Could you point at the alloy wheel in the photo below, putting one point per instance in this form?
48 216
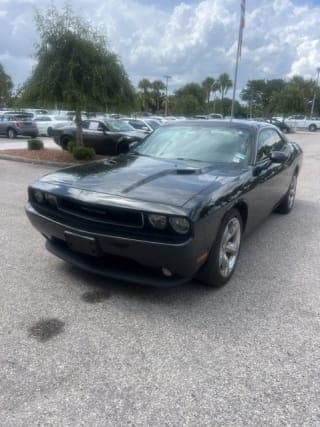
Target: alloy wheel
229 247
292 191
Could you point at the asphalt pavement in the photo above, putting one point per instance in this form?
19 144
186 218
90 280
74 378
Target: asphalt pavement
76 349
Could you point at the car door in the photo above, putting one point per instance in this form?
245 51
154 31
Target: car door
95 135
271 178
41 123
2 125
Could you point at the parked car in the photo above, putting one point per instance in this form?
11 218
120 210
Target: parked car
105 136
14 124
46 123
174 207
303 122
144 125
284 127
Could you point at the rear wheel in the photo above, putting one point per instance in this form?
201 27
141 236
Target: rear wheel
49 131
224 254
312 128
11 133
287 203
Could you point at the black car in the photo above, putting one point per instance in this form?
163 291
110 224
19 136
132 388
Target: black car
107 137
174 207
280 124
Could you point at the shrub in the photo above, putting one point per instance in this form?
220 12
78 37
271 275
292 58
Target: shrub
71 145
83 153
35 144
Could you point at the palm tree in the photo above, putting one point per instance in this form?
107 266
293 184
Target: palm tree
157 87
207 86
145 85
225 83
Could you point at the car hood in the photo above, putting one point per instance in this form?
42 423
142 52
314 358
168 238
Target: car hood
147 179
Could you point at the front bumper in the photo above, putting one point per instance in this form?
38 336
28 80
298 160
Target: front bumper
141 261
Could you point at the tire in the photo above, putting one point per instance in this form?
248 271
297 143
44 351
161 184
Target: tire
49 131
287 202
222 261
64 142
312 128
11 133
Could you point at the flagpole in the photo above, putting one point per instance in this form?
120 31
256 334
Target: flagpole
241 26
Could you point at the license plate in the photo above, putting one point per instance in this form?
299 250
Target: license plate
84 244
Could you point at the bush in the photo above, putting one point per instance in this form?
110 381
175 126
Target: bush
35 144
71 145
83 153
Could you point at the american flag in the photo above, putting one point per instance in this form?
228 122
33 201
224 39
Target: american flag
242 24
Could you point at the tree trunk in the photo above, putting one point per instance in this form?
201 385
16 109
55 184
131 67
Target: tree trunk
79 133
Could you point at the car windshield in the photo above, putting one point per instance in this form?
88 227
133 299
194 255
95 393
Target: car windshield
205 144
153 124
119 126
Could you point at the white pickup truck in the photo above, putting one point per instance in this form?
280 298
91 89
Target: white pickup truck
303 122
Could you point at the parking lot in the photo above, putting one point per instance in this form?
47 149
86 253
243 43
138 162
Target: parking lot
76 349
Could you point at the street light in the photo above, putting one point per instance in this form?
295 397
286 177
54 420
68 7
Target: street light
315 91
166 102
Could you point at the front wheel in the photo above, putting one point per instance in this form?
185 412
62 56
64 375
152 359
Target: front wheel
49 131
224 254
64 141
312 128
287 203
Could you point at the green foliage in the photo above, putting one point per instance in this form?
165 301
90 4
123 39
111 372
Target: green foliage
6 86
83 153
289 101
71 145
224 84
35 144
75 68
258 93
151 95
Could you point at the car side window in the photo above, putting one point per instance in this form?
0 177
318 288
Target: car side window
85 124
269 140
101 127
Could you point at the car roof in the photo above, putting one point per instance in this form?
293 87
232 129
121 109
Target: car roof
235 123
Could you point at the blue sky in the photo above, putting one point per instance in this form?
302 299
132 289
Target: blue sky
188 40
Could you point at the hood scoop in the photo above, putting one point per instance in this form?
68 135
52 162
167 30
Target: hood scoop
187 171
146 180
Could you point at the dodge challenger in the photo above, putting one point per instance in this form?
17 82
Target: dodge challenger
173 207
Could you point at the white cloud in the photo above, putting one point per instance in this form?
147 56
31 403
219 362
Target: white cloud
189 41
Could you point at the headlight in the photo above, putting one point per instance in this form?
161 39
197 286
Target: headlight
38 195
158 221
179 224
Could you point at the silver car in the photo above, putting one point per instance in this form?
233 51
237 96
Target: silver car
14 124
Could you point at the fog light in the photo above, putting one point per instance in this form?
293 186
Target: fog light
52 200
158 221
166 272
38 196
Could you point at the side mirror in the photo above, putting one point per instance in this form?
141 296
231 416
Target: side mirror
278 157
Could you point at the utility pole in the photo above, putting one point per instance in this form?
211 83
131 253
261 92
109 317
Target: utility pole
315 91
166 101
240 37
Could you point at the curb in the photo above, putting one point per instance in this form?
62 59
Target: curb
33 161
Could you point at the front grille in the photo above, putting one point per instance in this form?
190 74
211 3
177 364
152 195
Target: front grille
107 220
101 214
